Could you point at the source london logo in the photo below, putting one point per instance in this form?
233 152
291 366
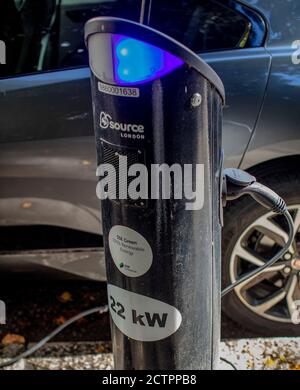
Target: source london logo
2 53
127 130
105 118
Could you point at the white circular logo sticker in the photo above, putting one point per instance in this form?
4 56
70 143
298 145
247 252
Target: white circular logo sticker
130 251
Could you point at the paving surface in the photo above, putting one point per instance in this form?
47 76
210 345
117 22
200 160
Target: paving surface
262 354
245 354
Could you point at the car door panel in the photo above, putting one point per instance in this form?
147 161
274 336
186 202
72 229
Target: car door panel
45 106
245 75
47 152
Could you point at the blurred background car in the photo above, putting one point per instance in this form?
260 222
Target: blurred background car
49 214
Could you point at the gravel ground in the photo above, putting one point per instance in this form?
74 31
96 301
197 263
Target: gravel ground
262 354
245 354
68 356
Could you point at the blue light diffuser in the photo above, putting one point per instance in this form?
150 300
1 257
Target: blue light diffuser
138 62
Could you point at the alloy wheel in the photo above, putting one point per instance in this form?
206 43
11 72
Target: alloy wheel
274 294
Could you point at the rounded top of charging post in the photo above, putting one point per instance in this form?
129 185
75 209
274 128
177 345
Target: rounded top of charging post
110 25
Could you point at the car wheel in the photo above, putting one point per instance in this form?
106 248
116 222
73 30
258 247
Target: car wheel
268 304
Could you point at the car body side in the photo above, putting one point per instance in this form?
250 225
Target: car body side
276 134
47 152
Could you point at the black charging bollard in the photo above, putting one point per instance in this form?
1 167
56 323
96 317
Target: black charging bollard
158 112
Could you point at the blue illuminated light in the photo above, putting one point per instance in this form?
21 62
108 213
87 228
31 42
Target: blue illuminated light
138 62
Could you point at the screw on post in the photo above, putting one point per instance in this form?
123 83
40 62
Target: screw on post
196 100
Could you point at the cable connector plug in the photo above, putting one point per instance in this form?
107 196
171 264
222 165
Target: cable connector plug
237 183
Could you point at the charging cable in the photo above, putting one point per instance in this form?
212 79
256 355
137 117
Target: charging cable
237 183
40 344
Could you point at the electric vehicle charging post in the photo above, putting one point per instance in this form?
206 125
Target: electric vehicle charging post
157 118
158 109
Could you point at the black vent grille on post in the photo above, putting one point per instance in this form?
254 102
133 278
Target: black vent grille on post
111 155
